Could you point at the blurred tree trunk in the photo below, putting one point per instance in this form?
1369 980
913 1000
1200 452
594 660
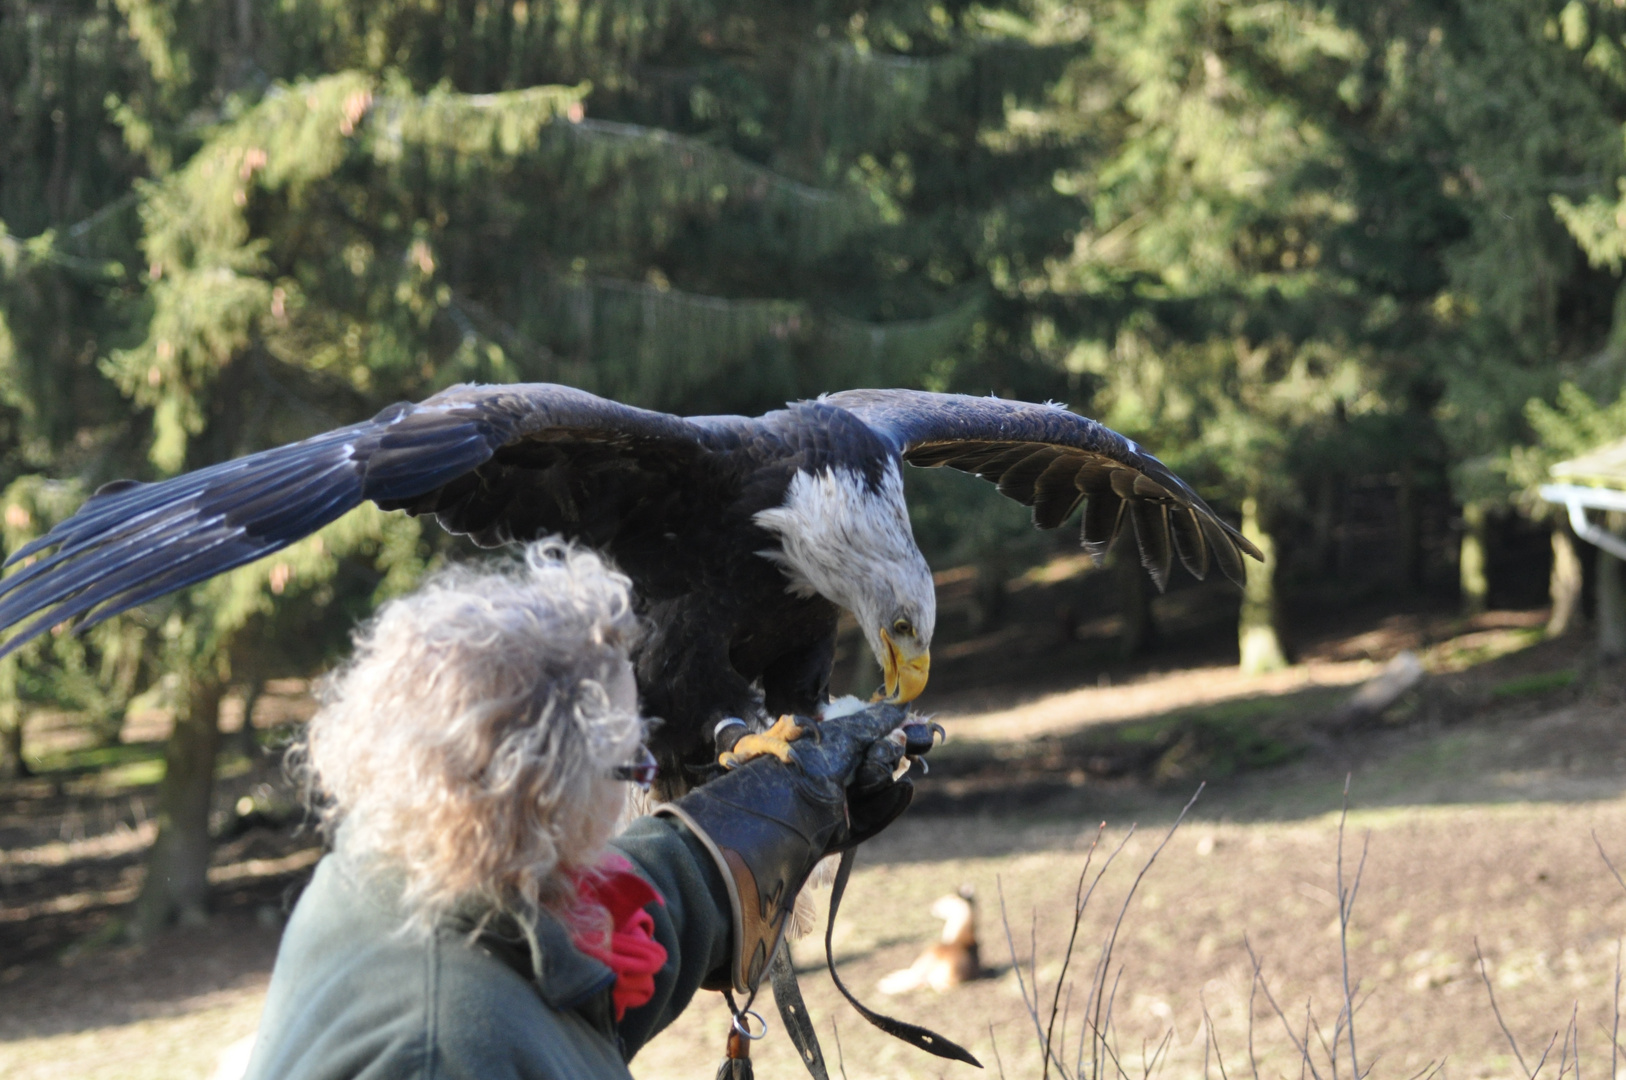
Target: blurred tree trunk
245 742
1134 604
1257 637
12 719
1471 561
1611 597
1564 585
1324 554
177 884
107 725
1411 529
12 762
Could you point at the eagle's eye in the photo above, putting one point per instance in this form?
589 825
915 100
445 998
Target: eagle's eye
903 628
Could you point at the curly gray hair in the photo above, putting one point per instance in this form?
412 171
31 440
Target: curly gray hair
470 740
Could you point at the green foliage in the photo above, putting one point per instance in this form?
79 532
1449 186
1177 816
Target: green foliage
1341 242
1225 332
1572 425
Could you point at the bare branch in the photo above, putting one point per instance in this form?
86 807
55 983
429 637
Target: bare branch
1564 1055
841 1059
1081 900
1605 856
1511 1041
1574 1039
1066 1010
1105 1032
1016 966
1304 1061
1098 977
1208 1039
1252 990
1213 1039
1304 1051
1614 1033
1147 1069
1427 1071
1544 1053
1331 1050
1106 1048
1346 907
1112 939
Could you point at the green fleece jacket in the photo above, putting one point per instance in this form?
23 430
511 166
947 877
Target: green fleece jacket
353 996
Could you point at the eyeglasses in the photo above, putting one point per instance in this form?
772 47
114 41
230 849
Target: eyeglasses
641 772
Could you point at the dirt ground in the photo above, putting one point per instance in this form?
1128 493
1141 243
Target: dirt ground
1477 799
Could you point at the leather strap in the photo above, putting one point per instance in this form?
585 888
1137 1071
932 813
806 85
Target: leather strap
793 1011
913 1034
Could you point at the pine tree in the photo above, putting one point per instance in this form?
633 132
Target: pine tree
1209 314
1336 243
67 248
1516 103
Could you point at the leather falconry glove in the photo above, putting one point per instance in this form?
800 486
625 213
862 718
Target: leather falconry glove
767 824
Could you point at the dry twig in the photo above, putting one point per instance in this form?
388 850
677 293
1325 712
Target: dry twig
1098 1005
1298 1044
1212 1040
1484 974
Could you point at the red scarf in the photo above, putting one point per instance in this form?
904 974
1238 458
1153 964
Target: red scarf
631 950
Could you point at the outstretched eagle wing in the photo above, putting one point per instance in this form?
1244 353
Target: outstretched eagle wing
463 455
1050 459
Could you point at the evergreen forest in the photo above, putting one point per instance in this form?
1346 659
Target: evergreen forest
1354 269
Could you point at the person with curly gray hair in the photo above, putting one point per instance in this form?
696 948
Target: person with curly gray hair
474 916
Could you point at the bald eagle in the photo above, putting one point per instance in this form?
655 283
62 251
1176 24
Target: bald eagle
744 537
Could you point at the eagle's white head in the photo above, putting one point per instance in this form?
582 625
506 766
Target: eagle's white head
851 543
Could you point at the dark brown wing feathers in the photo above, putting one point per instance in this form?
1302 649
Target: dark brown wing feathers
1050 459
133 542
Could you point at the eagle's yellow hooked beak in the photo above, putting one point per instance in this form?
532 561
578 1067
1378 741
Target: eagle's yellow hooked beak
905 675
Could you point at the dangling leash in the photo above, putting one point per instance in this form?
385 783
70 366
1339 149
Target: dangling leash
787 994
919 1037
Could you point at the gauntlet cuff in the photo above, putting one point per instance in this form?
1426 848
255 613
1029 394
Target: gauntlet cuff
765 835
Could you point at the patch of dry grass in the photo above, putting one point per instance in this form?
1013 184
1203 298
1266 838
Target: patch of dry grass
181 1046
1524 879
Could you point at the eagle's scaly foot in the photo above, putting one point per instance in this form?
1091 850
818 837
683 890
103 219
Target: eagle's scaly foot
775 741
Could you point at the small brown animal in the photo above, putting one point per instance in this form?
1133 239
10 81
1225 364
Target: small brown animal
953 959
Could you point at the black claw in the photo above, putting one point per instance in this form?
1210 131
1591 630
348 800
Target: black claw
918 739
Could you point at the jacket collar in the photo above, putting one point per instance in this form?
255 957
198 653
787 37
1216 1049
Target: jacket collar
541 950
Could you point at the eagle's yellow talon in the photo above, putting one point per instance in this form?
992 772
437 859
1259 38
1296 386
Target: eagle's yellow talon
774 742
